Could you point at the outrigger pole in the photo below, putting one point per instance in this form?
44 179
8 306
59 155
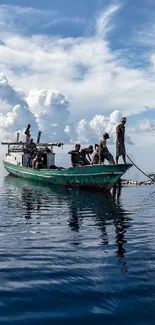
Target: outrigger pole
43 144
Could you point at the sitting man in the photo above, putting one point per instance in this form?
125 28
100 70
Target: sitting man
76 156
104 152
95 155
85 153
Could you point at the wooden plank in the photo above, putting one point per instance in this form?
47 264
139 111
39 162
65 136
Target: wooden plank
44 144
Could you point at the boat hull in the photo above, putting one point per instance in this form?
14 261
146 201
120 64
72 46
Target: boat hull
96 176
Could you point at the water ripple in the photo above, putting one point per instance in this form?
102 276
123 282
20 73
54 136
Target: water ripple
70 255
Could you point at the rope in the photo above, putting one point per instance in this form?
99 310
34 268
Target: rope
153 180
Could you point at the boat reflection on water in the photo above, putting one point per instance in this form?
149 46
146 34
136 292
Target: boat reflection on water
81 205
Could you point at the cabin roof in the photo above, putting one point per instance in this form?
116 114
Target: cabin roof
42 144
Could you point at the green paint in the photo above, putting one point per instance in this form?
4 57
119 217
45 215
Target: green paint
97 176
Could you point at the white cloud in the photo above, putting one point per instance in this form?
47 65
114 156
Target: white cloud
83 131
48 111
102 24
67 129
51 109
9 94
91 79
95 78
145 126
92 130
19 114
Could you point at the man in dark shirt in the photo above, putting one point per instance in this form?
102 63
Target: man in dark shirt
120 140
75 156
85 153
31 147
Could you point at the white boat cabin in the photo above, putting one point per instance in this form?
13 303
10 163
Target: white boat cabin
19 154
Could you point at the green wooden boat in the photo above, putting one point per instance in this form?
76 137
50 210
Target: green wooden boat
92 176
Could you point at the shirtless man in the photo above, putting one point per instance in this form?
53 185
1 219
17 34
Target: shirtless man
104 152
85 155
95 155
27 133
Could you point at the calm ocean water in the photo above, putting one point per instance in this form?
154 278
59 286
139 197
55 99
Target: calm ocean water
72 256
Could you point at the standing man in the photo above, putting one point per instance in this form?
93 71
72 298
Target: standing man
27 133
31 146
104 152
120 140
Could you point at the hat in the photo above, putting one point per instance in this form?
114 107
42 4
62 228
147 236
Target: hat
106 135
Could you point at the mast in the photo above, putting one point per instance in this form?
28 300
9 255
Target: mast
38 138
18 137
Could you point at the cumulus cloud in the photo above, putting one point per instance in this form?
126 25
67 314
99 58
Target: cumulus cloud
51 109
92 130
145 126
19 114
67 129
45 110
48 111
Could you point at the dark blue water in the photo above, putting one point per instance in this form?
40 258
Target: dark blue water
72 256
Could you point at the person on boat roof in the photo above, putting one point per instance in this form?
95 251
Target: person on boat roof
104 152
120 140
95 155
31 146
27 133
76 156
85 153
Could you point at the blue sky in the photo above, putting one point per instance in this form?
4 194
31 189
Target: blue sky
98 55
132 15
